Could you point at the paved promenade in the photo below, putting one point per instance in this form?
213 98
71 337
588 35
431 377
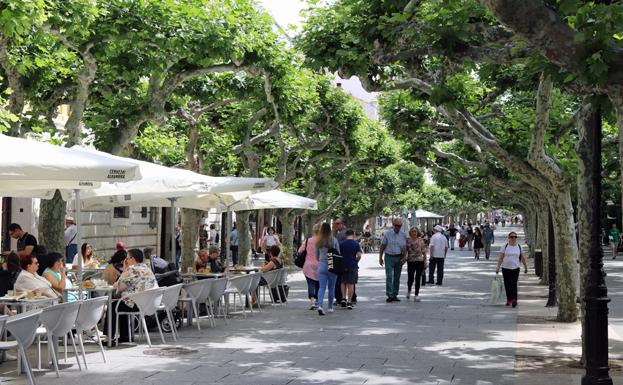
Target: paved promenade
453 336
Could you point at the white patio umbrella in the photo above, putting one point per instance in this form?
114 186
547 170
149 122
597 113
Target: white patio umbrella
162 186
36 169
274 199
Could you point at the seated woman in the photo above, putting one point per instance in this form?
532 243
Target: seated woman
274 263
87 257
136 277
29 280
55 273
10 272
115 267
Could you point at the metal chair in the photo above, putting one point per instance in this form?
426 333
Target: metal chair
90 313
147 303
170 298
283 278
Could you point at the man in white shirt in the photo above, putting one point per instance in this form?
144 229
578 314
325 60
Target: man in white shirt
71 245
438 251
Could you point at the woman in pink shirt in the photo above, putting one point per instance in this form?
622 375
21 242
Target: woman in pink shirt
310 268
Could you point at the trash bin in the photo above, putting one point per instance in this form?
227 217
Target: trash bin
538 262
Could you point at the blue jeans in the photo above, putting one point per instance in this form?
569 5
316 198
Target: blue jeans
234 254
393 268
326 277
312 288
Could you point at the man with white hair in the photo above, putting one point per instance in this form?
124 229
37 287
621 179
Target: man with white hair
394 246
438 251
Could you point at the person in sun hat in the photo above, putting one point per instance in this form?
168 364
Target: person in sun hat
438 250
71 241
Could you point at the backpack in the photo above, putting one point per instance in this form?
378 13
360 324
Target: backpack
520 250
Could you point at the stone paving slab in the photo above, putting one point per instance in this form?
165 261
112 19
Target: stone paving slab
452 337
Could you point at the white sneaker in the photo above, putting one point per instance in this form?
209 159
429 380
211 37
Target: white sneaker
417 298
330 310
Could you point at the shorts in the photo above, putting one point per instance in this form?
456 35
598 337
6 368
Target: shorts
351 276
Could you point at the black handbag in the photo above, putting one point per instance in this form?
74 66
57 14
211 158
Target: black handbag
335 262
299 261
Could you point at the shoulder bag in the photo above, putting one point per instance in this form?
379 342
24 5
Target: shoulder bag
299 261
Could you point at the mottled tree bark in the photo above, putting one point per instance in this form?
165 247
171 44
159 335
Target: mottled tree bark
244 238
190 222
51 223
287 223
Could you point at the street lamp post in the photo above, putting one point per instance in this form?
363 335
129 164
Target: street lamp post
596 295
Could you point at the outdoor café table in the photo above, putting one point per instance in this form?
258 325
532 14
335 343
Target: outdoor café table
108 290
246 269
22 305
194 276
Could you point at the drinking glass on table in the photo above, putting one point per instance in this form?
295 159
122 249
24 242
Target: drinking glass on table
189 270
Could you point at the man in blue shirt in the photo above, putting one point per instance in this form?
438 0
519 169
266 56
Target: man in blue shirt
351 254
233 245
394 246
488 238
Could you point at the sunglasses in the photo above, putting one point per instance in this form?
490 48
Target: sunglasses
512 236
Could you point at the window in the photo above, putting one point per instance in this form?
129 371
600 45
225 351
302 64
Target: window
143 212
121 212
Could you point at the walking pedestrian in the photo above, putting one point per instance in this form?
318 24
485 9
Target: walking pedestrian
326 279
509 260
615 235
488 238
394 248
310 267
477 242
438 251
469 236
351 254
416 258
452 235
339 232
233 245
462 237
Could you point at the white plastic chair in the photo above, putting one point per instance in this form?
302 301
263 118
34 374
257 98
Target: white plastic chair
196 292
255 283
7 345
90 313
147 303
217 290
283 278
59 320
170 298
239 286
23 327
272 279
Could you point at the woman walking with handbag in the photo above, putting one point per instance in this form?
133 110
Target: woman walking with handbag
324 243
416 259
510 258
310 267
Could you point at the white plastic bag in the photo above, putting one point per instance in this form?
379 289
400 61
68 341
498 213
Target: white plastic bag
496 290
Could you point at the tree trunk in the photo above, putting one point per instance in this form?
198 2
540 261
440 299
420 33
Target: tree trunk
584 182
287 223
51 223
190 220
542 241
567 254
244 239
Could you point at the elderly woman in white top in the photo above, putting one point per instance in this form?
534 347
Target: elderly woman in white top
510 258
29 280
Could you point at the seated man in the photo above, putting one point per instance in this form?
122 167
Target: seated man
136 277
202 261
29 280
216 266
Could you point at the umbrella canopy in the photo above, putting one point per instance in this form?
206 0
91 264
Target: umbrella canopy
37 167
159 184
422 214
273 199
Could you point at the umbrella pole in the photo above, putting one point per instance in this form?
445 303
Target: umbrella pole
78 240
173 255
